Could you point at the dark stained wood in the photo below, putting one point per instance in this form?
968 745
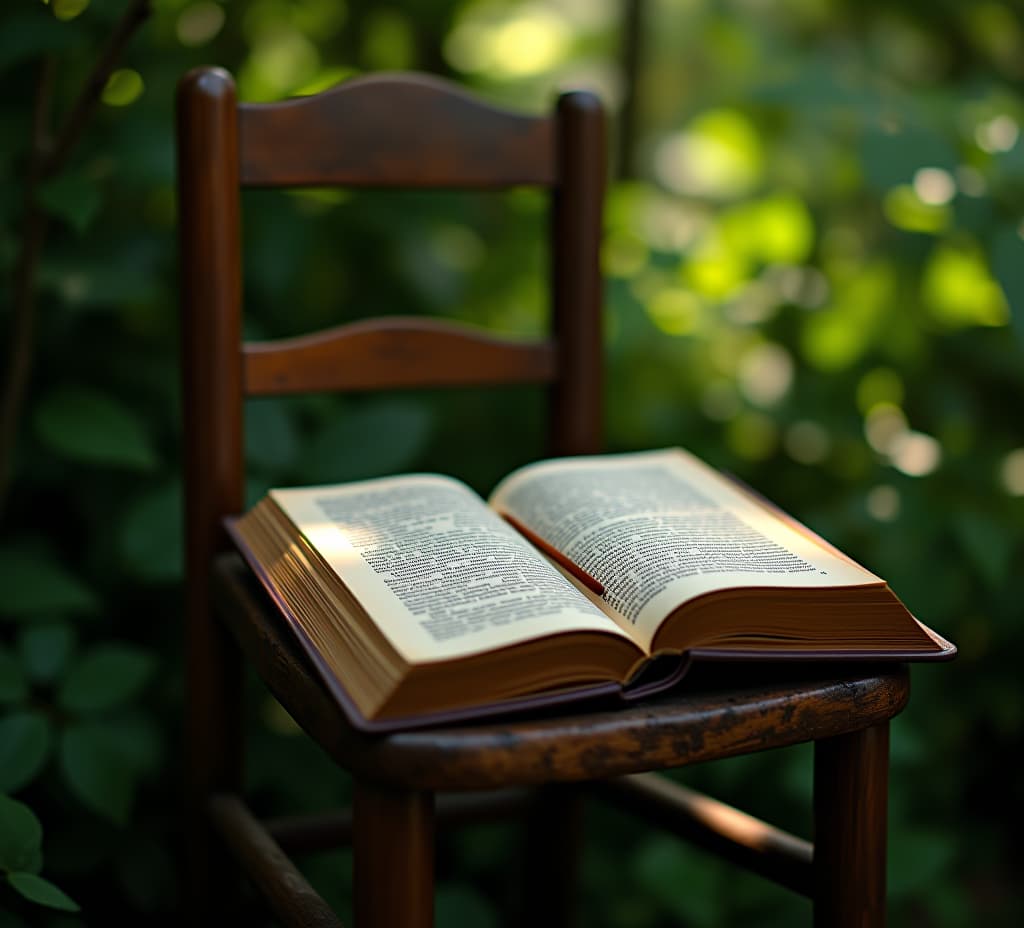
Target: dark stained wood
303 834
393 130
394 352
393 854
554 838
272 873
212 388
714 826
732 717
851 775
413 131
575 424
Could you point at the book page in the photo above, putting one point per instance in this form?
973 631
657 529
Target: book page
439 572
659 528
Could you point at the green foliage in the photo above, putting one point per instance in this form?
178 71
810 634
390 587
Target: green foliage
105 677
86 426
39 890
815 280
21 838
34 584
24 747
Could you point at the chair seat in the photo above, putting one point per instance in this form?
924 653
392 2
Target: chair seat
719 710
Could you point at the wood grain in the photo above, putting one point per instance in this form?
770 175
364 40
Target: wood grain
851 776
272 873
576 421
392 130
210 255
394 352
721 716
393 856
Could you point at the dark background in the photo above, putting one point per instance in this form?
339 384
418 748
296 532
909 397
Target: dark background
815 279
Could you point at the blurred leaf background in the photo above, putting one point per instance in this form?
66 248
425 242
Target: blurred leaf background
815 280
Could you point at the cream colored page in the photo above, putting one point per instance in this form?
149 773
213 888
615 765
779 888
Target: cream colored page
659 528
441 574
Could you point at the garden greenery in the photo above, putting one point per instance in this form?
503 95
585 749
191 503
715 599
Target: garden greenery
815 274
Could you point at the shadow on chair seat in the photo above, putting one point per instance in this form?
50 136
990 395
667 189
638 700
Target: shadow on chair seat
718 711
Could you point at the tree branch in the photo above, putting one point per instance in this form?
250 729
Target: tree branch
44 162
630 50
81 111
19 349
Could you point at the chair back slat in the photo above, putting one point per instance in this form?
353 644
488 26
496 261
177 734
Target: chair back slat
393 131
394 352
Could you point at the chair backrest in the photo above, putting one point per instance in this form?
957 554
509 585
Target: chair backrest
392 130
383 131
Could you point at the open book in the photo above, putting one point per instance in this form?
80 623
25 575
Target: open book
417 601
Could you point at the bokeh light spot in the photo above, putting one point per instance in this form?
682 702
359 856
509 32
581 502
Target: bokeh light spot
199 23
934 186
1012 472
765 374
124 87
807 442
915 454
719 156
883 503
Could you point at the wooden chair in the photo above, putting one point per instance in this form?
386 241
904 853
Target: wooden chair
415 131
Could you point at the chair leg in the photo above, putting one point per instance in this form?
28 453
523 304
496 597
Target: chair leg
393 857
850 818
213 735
554 829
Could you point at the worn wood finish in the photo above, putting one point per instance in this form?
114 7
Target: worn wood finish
575 424
727 711
393 131
272 873
212 389
394 352
303 834
393 854
714 826
851 774
421 132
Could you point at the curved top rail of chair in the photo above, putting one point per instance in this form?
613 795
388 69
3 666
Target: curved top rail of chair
469 144
392 352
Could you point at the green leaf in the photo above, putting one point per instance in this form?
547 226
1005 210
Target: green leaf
45 649
13 685
97 771
271 440
36 889
24 747
73 198
149 538
105 677
380 437
34 582
21 836
85 425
